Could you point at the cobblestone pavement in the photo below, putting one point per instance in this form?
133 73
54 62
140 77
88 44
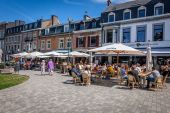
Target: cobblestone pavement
52 94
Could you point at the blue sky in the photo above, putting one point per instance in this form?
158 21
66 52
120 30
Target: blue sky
31 10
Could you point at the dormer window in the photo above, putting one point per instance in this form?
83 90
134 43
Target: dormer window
127 14
159 9
94 24
81 25
141 11
111 17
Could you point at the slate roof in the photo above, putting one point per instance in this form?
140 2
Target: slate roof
127 5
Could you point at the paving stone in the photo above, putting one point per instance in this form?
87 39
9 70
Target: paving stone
56 94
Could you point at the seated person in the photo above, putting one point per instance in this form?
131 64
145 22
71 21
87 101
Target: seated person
76 70
153 76
96 68
135 73
110 69
123 72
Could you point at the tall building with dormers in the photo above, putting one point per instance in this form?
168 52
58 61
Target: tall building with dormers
138 23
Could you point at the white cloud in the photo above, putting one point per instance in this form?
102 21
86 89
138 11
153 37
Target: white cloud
113 1
72 2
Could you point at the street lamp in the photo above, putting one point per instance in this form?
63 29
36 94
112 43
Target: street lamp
69 44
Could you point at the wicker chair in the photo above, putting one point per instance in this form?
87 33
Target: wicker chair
76 79
158 83
86 79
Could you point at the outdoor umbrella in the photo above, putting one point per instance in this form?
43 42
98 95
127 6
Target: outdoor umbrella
149 59
76 54
20 54
52 53
117 49
33 54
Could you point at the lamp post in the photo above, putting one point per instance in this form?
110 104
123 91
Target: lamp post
69 44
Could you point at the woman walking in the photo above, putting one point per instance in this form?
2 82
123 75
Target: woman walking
50 67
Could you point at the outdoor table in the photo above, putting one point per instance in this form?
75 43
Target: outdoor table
143 78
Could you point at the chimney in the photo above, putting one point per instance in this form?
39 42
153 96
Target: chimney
109 2
54 20
17 22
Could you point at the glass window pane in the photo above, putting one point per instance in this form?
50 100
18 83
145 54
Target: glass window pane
93 41
126 35
142 13
126 15
159 10
111 18
158 32
141 34
109 38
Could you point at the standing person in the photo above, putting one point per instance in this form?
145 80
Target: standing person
17 67
43 67
50 67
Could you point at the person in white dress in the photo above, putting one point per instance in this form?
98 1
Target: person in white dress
43 67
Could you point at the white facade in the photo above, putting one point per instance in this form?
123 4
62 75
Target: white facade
149 23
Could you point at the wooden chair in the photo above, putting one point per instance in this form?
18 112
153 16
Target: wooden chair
158 83
86 79
132 81
76 79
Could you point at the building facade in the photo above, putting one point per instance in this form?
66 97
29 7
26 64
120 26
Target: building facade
137 24
24 37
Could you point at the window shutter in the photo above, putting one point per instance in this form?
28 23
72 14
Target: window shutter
97 41
76 42
88 41
84 44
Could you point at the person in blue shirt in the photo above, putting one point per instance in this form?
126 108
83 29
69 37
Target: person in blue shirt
151 78
76 70
123 72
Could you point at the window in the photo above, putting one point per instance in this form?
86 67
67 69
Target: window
92 41
26 27
93 24
68 42
46 31
141 11
34 45
126 35
48 44
61 44
127 14
109 38
141 33
82 26
111 17
158 32
66 28
53 30
159 9
42 44
35 25
80 42
43 32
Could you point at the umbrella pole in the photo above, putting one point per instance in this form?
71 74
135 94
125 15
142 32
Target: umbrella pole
117 58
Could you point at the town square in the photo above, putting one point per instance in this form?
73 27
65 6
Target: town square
93 56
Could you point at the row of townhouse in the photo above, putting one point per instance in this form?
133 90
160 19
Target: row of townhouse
24 37
135 23
79 35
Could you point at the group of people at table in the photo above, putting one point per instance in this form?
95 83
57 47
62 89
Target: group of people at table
121 70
